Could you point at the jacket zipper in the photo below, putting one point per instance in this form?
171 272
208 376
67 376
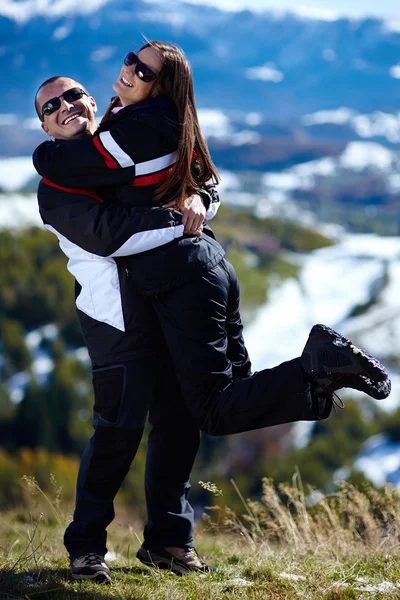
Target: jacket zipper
123 263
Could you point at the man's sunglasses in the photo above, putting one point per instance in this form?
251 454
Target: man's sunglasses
54 104
142 71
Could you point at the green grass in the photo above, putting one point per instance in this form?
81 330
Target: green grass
244 572
344 547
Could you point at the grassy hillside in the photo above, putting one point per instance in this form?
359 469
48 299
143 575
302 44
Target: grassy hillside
338 547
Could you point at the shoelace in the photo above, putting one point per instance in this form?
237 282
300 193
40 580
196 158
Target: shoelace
337 402
92 559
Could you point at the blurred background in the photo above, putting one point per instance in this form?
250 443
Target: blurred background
301 109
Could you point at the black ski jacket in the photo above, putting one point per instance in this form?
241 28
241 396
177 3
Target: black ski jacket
130 153
94 231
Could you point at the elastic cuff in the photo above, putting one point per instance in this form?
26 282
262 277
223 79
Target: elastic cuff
206 198
212 211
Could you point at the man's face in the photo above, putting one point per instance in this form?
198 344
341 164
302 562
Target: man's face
73 119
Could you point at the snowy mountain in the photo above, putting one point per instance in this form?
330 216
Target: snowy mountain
357 157
353 287
276 63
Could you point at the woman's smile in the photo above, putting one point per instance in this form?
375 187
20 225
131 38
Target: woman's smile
126 82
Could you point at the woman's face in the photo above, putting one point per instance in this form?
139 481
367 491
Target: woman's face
129 87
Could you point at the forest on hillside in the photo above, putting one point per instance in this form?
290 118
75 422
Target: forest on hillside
46 394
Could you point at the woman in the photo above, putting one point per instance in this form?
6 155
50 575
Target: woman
153 127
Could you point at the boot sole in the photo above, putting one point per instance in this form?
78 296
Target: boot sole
99 576
372 376
160 562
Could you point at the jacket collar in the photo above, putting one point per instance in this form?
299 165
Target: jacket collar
157 102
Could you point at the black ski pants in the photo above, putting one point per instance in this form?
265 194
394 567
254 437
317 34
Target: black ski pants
203 330
124 394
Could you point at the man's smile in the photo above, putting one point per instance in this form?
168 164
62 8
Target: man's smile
70 118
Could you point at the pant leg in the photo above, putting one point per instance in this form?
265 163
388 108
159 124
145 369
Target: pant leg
172 446
236 350
122 397
193 319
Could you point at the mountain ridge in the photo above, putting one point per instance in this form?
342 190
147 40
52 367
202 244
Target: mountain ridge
286 65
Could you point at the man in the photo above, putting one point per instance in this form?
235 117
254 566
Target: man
132 373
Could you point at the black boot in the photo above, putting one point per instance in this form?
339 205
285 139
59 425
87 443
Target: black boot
332 362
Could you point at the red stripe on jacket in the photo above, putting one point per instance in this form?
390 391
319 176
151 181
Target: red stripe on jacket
151 179
109 160
142 180
73 190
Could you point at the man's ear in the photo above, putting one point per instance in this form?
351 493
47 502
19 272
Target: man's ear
45 129
93 103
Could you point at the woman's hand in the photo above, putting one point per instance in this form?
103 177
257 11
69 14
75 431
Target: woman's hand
194 213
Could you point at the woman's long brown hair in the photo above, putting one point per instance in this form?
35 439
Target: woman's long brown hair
176 81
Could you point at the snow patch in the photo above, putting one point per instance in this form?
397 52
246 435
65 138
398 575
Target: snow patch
15 172
377 124
392 25
21 12
292 576
267 72
229 181
238 582
395 71
32 123
361 155
8 119
103 53
42 366
19 212
81 355
245 137
318 14
300 177
360 64
173 18
340 116
253 119
379 459
17 385
214 123
329 54
62 32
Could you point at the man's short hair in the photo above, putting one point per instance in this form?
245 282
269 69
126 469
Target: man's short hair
52 80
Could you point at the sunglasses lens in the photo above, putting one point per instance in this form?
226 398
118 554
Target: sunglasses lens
51 106
131 59
73 94
144 73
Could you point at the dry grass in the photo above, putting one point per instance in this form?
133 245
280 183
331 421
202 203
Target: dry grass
291 544
345 522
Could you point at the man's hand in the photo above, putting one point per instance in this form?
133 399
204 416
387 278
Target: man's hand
194 213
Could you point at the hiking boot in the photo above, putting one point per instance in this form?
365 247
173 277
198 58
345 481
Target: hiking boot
90 566
333 362
178 560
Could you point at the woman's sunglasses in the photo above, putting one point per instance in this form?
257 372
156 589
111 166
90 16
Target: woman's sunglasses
142 71
54 104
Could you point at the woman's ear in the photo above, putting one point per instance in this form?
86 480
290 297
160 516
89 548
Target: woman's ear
157 90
